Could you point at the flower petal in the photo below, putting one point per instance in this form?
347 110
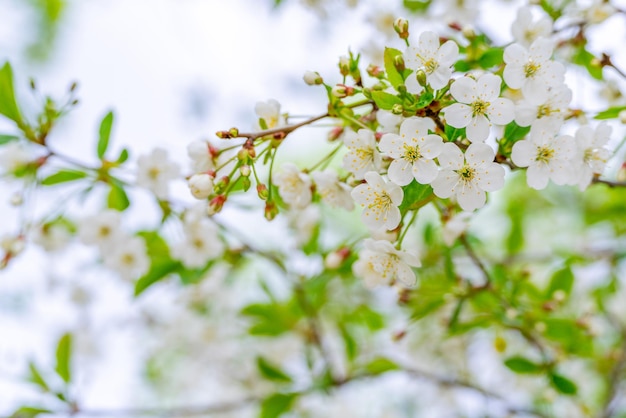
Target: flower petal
425 171
470 197
491 177
464 90
400 172
537 176
432 146
523 153
451 157
458 115
478 154
488 86
478 129
501 111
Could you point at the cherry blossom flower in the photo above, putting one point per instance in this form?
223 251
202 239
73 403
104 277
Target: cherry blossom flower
362 155
531 70
128 258
525 30
201 243
270 112
380 201
201 157
592 152
102 229
294 186
435 60
552 108
478 106
548 157
380 263
388 122
52 236
155 170
201 185
331 190
469 176
413 151
455 227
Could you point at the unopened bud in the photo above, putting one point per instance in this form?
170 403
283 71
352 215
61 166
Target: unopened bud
262 191
622 116
341 90
540 327
244 170
335 133
595 62
246 183
468 32
344 65
398 62
375 71
73 86
401 26
312 78
270 210
221 185
201 185
335 259
499 344
401 89
559 295
216 204
420 75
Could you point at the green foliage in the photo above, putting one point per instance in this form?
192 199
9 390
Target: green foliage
271 371
104 134
381 365
586 59
512 133
277 404
63 176
563 384
36 377
395 77
562 280
417 6
64 357
384 100
8 104
5 139
416 195
272 319
30 412
117 198
520 364
610 113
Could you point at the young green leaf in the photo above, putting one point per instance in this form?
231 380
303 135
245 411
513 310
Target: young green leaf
381 365
117 199
271 371
4 139
8 104
159 270
563 384
520 364
562 280
64 357
29 412
610 113
393 75
384 100
277 404
105 134
36 377
63 176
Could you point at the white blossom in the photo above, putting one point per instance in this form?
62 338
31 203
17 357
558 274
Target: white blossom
548 157
380 263
201 243
478 106
526 30
200 155
331 190
128 258
468 176
592 152
436 61
294 186
380 201
102 229
599 11
552 108
201 185
362 155
155 171
413 151
270 112
455 227
388 122
52 236
14 156
531 70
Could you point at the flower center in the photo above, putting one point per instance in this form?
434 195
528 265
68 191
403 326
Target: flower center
545 110
544 154
430 66
467 173
104 231
531 68
411 154
382 202
128 259
154 173
479 107
365 155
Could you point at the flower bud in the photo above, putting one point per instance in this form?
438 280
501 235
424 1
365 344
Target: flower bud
375 71
401 26
335 259
270 210
221 185
262 191
341 90
468 32
246 183
344 65
201 185
312 78
420 75
398 62
244 170
216 204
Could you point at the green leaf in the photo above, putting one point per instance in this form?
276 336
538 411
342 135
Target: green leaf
415 196
453 133
561 280
563 384
277 404
610 113
491 58
393 75
123 156
424 100
36 377
4 139
418 6
105 134
64 357
63 176
29 412
381 365
520 364
8 104
271 371
117 199
586 59
384 100
158 271
350 344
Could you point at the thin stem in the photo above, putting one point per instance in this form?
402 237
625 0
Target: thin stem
326 158
406 229
472 255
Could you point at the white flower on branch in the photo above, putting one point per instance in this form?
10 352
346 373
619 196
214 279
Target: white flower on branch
362 155
478 106
201 185
413 152
380 263
201 244
526 30
331 190
269 112
553 108
468 176
155 171
592 152
200 155
294 186
102 229
548 157
436 61
380 201
128 258
14 156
